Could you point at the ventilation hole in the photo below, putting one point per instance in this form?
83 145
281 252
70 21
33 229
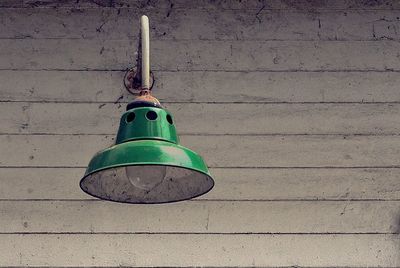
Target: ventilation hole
151 115
169 119
130 117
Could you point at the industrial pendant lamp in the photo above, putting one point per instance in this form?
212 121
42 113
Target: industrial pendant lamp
146 164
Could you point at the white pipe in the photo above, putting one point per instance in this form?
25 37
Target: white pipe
145 43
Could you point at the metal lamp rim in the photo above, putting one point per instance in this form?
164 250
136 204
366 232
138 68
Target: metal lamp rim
149 164
144 164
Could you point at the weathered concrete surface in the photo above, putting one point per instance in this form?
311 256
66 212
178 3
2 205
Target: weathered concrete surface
294 105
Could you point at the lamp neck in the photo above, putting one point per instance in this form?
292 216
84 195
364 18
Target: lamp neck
145 99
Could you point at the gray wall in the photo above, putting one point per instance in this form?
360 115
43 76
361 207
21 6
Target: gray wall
294 104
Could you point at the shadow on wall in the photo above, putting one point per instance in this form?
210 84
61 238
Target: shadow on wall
396 232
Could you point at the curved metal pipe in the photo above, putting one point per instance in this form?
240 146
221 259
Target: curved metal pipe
145 43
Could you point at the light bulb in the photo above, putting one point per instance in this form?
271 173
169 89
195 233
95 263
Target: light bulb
145 177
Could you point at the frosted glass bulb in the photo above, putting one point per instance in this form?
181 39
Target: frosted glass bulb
146 177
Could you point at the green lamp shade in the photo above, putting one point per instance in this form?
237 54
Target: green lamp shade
147 164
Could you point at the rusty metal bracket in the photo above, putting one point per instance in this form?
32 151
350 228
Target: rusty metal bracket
133 81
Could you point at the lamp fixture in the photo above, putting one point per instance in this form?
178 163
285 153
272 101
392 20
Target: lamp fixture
146 164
